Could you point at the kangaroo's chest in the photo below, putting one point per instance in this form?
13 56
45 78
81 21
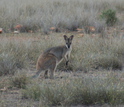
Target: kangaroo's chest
68 52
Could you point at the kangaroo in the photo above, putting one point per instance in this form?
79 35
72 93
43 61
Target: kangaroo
49 60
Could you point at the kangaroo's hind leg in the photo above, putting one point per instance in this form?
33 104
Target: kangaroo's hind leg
52 67
52 71
46 74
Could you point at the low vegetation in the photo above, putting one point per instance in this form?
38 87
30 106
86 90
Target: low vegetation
88 53
98 53
19 80
77 91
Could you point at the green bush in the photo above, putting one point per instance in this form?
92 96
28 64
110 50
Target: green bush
110 17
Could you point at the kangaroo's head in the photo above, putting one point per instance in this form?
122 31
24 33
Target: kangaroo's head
68 41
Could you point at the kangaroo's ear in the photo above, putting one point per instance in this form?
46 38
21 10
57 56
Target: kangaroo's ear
65 37
71 37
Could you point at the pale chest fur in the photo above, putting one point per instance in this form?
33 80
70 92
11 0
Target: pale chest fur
66 55
68 52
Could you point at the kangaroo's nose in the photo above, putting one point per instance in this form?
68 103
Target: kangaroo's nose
68 46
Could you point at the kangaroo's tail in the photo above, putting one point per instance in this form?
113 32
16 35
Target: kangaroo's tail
36 75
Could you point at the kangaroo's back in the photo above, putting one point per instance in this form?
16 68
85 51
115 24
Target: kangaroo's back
58 51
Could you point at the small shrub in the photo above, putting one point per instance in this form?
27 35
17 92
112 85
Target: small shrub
7 64
102 61
109 62
32 91
110 17
19 81
11 61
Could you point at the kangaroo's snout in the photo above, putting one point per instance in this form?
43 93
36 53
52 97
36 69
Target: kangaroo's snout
68 45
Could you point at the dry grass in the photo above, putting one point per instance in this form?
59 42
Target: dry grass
67 89
72 90
88 53
65 14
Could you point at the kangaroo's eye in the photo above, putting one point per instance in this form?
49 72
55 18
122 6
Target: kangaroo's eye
68 43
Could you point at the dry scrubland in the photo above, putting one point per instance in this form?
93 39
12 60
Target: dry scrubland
40 15
95 75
